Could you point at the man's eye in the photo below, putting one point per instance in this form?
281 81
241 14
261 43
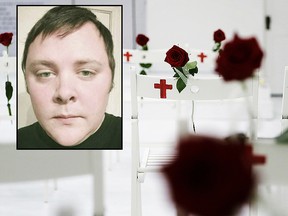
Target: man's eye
44 74
87 73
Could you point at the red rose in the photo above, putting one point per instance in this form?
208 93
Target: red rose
6 38
210 176
176 57
142 39
239 59
219 36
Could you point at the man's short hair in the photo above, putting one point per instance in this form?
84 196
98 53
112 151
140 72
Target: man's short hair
67 19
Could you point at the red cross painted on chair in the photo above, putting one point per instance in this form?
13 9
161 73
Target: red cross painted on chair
256 159
202 56
163 87
127 55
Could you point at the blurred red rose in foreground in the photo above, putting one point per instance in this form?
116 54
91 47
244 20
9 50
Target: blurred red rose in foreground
6 38
239 59
210 176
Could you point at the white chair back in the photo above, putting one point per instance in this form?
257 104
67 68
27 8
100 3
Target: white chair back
208 88
134 56
205 58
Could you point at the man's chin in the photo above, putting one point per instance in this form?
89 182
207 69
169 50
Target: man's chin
68 140
69 135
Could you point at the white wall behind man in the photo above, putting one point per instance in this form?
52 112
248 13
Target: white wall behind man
127 16
8 16
193 22
276 44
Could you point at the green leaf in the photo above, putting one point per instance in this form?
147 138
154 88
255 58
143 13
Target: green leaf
176 75
217 46
180 85
145 65
145 47
143 72
9 90
193 71
179 69
283 138
191 65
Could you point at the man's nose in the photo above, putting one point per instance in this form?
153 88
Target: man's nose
65 90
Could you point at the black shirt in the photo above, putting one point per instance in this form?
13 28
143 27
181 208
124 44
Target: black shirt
108 136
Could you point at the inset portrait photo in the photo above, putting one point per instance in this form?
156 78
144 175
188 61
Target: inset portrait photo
69 77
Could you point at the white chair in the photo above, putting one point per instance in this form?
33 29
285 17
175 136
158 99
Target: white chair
285 100
273 174
30 165
133 57
163 88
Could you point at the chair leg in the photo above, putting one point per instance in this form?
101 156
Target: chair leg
110 160
113 155
139 200
55 184
46 191
136 207
98 183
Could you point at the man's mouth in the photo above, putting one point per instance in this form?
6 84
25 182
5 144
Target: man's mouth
66 119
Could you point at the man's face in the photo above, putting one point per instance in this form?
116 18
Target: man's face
69 79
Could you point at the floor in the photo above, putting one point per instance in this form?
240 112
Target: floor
73 196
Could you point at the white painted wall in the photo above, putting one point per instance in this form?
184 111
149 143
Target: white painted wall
193 22
277 44
8 17
170 22
8 11
128 34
